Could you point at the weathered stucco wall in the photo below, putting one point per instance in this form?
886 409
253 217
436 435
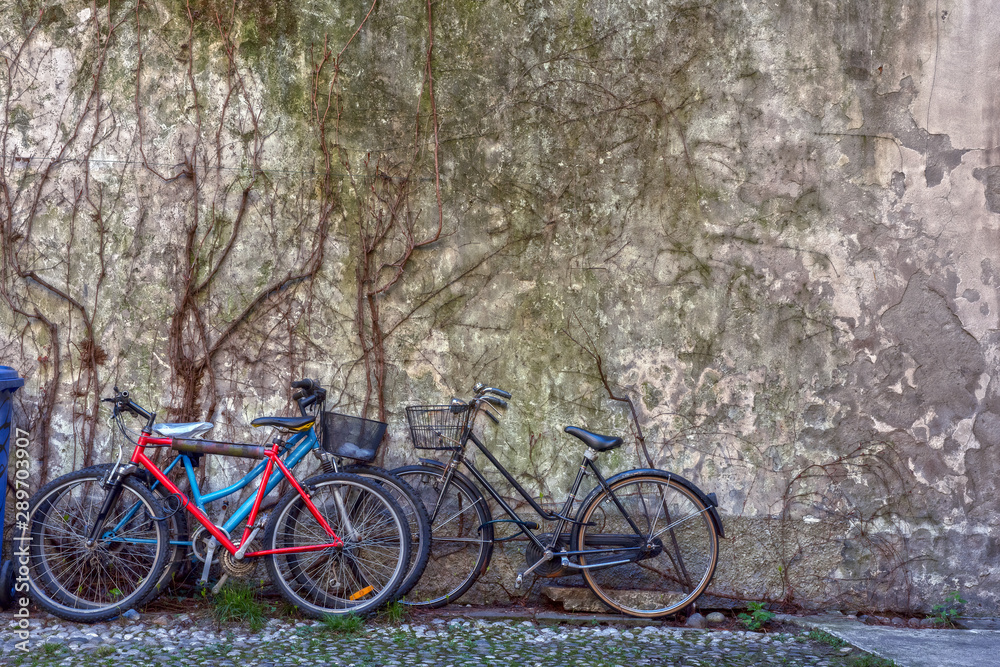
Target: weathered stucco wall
776 225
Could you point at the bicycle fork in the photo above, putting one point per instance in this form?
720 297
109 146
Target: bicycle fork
114 483
330 465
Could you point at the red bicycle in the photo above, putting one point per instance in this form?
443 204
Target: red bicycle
336 543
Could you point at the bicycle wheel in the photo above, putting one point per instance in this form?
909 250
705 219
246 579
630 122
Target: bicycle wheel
356 578
178 559
668 566
461 536
416 518
119 572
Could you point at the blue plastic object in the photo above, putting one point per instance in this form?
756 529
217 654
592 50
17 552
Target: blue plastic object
9 383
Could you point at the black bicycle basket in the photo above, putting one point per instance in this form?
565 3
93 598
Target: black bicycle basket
436 426
351 437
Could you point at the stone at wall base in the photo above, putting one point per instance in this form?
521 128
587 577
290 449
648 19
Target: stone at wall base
574 599
696 620
583 599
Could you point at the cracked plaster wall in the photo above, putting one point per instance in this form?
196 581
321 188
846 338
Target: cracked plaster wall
777 224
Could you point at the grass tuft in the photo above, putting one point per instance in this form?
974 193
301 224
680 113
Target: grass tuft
757 617
238 602
346 624
394 612
869 660
824 637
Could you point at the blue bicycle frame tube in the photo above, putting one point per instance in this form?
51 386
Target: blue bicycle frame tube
303 443
131 515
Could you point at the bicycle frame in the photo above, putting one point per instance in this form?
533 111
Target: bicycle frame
296 449
562 517
272 456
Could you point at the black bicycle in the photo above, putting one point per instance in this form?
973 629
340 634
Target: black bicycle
646 541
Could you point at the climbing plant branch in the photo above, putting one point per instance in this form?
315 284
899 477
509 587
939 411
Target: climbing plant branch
590 349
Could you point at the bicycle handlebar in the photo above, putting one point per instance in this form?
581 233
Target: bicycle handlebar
123 403
483 396
309 393
498 402
481 389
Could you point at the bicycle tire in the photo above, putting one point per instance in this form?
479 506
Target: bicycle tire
461 536
177 553
416 517
121 570
356 578
670 567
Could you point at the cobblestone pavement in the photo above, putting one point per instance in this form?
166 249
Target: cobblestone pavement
185 640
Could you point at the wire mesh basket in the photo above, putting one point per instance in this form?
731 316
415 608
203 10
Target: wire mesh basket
351 437
436 426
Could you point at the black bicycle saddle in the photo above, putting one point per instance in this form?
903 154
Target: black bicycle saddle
602 443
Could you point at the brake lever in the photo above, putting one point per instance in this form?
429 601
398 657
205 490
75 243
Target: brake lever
481 389
495 401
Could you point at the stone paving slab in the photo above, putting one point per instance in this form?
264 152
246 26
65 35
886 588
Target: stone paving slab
914 648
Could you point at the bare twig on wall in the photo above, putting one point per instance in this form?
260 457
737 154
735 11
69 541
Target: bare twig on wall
388 227
590 348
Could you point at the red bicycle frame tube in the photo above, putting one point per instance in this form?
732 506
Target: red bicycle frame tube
139 458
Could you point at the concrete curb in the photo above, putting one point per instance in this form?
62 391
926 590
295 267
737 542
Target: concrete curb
909 647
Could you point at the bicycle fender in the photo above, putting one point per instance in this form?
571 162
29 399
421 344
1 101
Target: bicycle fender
434 463
708 500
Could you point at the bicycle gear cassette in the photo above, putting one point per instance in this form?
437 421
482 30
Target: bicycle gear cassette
240 569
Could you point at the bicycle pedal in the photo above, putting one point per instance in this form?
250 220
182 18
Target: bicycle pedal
517 582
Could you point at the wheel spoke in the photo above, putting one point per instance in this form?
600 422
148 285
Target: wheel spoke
356 577
80 582
461 540
678 558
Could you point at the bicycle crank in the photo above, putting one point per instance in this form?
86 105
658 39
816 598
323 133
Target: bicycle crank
548 567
